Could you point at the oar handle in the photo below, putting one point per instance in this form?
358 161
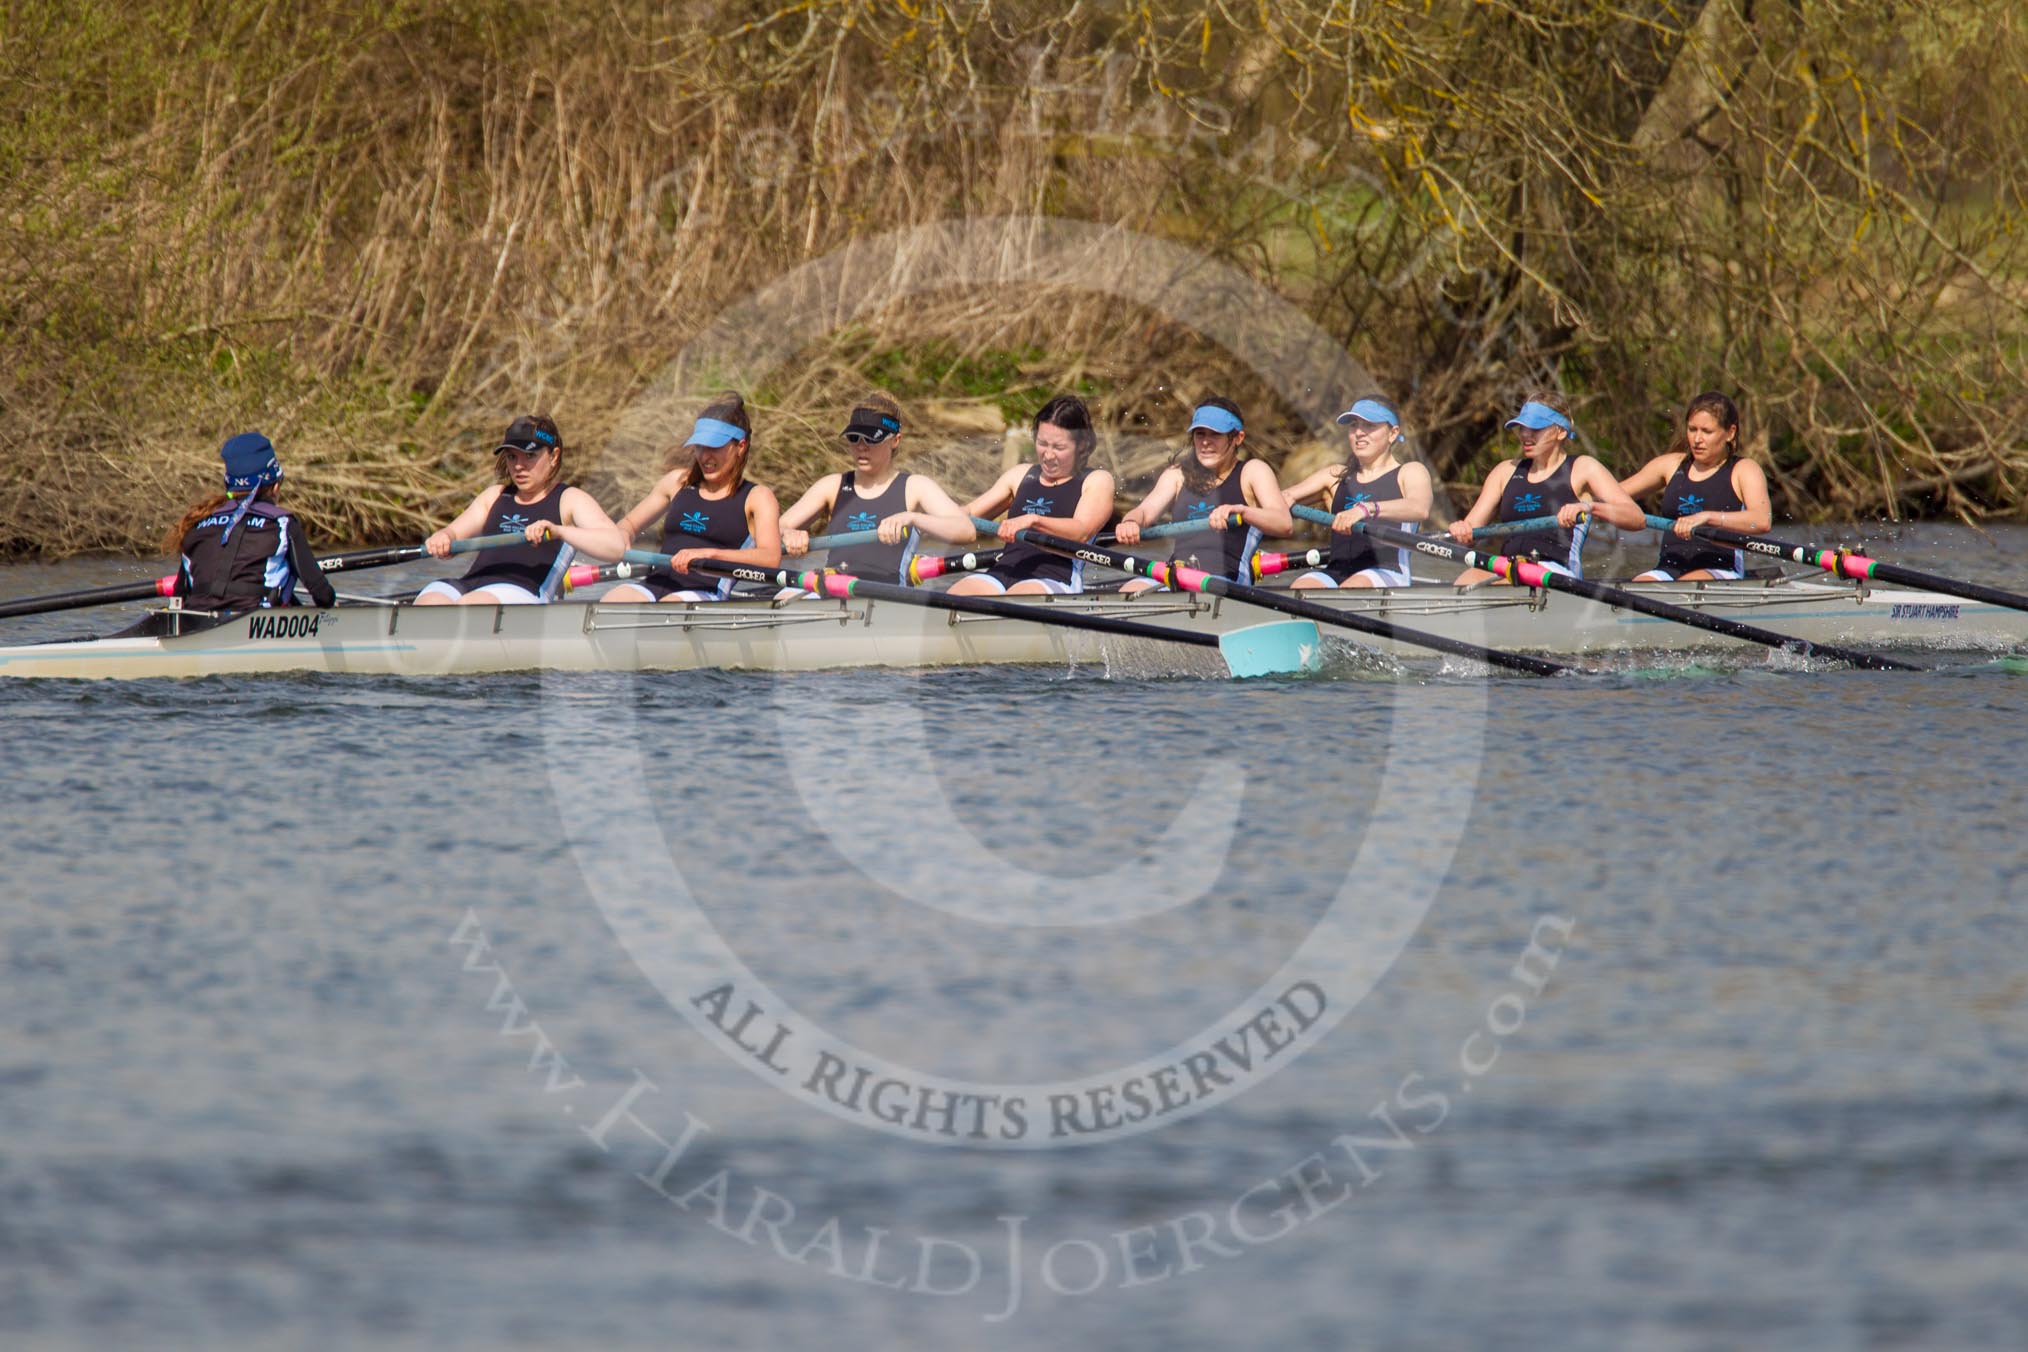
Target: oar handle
923 567
1267 562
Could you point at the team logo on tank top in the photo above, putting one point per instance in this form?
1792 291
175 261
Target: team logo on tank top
1198 510
1690 502
861 521
693 523
513 521
1037 506
1528 502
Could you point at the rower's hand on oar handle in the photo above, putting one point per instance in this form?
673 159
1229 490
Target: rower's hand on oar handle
1225 516
1685 524
895 528
439 545
1011 528
1460 532
1570 513
1346 521
685 560
536 532
795 543
1128 532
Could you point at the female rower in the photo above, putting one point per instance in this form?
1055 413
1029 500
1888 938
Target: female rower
1549 476
874 495
1060 494
239 550
1373 484
1210 482
1706 483
709 510
532 498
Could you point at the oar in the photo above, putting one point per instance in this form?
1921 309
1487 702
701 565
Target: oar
166 586
1847 564
1266 563
1492 532
923 567
1192 579
1273 649
1535 575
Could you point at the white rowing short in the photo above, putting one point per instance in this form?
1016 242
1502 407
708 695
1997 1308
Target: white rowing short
1378 577
1717 575
644 594
1054 587
500 593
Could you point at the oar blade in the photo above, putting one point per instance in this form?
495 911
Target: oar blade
1277 648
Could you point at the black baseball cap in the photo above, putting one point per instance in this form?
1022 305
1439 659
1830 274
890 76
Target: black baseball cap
532 432
872 424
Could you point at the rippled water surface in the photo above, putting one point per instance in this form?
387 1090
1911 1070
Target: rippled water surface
277 953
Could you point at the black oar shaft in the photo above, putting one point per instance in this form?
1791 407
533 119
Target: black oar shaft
1860 568
842 585
1192 579
1535 575
97 596
166 586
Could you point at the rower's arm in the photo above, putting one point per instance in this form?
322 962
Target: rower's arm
1488 504
1750 482
1417 494
933 512
465 525
999 497
1609 502
1149 510
586 527
1265 510
309 575
821 499
647 509
1319 483
1651 476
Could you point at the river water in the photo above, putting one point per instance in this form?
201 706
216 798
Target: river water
1677 1009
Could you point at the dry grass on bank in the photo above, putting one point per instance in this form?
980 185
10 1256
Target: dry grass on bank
379 233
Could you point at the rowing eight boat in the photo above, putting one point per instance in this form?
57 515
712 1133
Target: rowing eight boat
812 634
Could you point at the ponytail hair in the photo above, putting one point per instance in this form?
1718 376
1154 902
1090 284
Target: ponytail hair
172 543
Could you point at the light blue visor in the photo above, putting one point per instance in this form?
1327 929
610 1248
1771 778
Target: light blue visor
1370 410
710 432
1212 418
1535 417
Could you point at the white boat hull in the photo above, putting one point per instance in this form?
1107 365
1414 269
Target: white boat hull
811 634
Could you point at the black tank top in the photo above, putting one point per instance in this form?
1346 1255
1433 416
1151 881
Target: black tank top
524 564
851 512
1522 500
247 571
1684 496
697 522
1353 553
1220 552
1018 562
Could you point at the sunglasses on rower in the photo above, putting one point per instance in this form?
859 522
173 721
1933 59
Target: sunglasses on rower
873 438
